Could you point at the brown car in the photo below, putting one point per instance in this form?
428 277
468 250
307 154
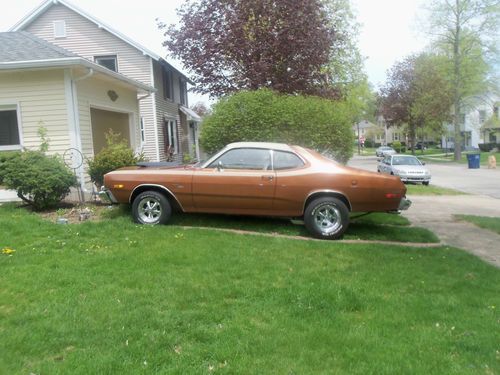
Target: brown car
263 179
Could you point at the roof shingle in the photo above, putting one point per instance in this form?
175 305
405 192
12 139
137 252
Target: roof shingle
22 46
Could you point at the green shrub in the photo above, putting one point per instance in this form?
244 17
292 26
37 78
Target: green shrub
4 157
115 155
40 180
263 115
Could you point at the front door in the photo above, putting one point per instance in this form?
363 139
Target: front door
239 181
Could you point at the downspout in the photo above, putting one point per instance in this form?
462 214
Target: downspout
90 73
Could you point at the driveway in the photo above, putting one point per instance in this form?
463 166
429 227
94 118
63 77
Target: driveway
436 213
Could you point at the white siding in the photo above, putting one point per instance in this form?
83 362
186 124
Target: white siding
166 108
41 100
86 39
93 93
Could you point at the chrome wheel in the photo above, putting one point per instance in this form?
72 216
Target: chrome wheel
149 210
327 218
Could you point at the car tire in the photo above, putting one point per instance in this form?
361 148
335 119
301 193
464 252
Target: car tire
326 218
151 208
426 183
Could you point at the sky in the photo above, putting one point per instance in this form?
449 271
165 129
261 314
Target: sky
388 31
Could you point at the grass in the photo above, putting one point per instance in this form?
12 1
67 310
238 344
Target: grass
489 223
449 157
430 189
114 297
376 226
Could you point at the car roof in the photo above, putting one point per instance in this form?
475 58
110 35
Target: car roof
267 145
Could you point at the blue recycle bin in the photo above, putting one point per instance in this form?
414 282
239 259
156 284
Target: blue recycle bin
473 160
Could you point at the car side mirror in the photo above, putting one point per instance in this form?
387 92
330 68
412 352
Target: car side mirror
220 166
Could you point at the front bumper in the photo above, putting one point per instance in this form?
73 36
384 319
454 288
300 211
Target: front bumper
415 178
107 196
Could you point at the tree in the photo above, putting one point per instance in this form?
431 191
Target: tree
264 115
416 94
201 109
283 45
466 32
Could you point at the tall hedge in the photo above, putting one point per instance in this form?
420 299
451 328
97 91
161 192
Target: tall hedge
266 116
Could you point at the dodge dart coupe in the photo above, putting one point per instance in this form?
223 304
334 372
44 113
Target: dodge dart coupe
263 179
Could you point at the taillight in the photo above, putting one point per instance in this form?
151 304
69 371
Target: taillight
392 196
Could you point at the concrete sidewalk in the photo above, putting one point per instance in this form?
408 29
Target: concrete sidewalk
8 196
436 214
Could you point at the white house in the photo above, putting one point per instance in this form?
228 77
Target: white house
169 129
74 99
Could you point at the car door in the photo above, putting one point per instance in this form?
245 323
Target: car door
239 181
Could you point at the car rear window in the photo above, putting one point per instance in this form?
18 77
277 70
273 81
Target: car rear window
286 160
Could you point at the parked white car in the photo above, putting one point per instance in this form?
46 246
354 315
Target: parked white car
407 167
384 150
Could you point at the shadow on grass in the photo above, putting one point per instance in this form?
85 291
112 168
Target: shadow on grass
376 226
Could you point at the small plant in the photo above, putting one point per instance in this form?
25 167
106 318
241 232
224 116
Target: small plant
41 181
397 146
115 155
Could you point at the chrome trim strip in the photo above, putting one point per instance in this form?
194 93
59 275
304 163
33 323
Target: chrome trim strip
159 186
328 192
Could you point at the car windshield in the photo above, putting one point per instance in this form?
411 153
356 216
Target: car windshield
405 160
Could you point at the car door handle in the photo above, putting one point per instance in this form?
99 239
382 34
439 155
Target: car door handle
268 178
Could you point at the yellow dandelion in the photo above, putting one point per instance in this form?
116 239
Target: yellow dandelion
8 251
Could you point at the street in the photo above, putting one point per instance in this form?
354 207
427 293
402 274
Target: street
482 181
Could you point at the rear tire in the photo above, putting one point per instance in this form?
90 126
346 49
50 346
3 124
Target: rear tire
326 218
151 208
426 183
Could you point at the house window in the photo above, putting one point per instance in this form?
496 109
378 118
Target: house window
182 90
168 89
109 62
59 29
143 133
9 128
171 144
482 116
495 110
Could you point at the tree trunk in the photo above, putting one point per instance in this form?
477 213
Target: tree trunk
457 154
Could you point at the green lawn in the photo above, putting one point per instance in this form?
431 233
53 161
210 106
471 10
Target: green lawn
376 226
114 297
490 223
449 157
430 189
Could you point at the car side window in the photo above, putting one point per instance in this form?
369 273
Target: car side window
244 158
286 160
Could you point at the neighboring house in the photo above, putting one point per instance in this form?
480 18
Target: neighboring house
367 131
490 123
478 124
76 100
169 129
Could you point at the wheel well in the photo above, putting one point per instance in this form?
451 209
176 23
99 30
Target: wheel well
340 196
159 189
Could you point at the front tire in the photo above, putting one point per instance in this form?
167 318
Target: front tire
326 218
426 183
151 208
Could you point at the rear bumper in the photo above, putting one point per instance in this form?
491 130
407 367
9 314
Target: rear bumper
404 204
106 195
